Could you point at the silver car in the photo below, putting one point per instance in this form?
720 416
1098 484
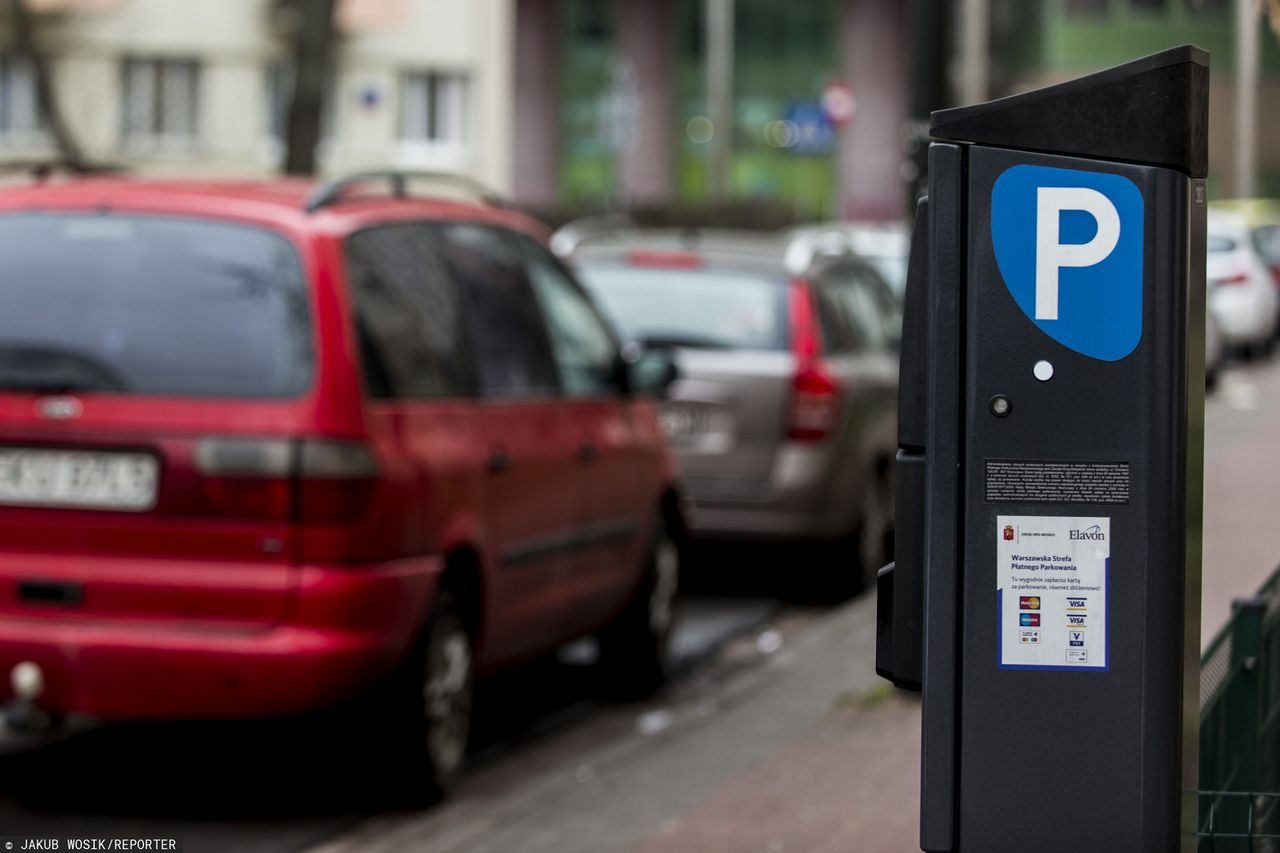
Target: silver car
784 418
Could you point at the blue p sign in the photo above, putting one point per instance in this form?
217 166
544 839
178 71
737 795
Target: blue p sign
1069 247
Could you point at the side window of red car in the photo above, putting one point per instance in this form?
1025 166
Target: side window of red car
499 313
585 351
407 314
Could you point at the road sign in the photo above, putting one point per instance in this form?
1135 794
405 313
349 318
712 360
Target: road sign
812 129
839 102
1069 244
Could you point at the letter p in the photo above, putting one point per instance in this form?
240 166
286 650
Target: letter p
1052 254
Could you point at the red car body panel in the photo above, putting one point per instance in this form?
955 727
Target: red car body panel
188 614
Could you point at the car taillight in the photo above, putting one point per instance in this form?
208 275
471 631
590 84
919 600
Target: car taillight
1239 278
312 480
1275 274
815 394
815 405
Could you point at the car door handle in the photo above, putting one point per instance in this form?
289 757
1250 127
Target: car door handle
499 460
587 452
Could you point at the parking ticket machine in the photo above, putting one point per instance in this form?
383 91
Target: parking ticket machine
1045 595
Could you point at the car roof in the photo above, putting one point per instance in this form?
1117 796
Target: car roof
762 252
280 201
865 238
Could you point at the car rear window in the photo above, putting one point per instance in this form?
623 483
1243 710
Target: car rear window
1266 239
692 308
150 305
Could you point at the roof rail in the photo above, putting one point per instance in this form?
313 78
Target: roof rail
42 170
331 192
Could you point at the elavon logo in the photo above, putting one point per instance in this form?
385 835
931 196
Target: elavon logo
1094 532
1069 247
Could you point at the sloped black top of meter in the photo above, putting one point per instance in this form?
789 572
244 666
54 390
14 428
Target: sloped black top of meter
1152 111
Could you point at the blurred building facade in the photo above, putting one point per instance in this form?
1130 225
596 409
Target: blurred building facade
612 104
203 87
573 105
1035 44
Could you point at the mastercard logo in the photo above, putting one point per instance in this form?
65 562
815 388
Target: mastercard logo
1029 602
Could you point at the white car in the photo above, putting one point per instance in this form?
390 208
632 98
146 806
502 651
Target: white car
1242 294
1213 353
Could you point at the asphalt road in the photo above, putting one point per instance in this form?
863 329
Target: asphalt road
290 785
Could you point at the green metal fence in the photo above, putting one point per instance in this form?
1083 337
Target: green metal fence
1240 729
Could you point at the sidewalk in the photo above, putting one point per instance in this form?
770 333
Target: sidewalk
847 785
805 750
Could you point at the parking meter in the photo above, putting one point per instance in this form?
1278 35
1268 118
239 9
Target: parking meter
1045 595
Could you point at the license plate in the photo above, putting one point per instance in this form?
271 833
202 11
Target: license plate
77 479
683 422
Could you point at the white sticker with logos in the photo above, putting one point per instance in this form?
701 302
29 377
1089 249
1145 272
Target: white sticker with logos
1051 591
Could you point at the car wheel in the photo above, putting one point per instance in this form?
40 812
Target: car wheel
875 532
425 709
633 648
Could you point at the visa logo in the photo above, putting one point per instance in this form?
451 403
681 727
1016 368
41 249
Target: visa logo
1075 620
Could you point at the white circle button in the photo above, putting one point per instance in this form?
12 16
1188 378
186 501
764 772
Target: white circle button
1043 371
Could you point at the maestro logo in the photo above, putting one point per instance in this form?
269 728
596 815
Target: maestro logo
1069 247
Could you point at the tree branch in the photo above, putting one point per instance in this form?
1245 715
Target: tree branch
28 46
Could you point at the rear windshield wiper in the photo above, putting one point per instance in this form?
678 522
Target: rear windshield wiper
682 341
46 371
54 383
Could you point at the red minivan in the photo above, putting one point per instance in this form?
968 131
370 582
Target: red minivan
269 447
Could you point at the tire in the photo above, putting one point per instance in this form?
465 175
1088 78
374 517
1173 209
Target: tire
422 716
875 531
1253 351
836 570
634 646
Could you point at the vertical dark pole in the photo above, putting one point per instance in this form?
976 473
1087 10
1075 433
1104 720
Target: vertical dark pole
312 45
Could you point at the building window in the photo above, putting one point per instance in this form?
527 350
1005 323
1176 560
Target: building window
161 102
435 109
280 77
19 108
